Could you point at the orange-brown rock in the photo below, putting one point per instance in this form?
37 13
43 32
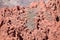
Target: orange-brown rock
37 21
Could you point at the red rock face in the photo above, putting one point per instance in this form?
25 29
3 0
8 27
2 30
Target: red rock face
39 21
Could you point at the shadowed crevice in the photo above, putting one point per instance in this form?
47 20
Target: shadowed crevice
57 19
1 23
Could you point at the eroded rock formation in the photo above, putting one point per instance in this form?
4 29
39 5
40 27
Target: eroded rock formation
40 20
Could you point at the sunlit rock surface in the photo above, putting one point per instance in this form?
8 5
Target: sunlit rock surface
29 19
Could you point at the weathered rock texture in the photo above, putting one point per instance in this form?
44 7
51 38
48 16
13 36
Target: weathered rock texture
37 21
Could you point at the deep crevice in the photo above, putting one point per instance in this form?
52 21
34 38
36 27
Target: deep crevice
18 8
19 37
57 19
1 24
11 32
46 38
38 23
9 21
